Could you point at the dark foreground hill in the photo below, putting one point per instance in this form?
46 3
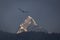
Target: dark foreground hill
29 36
7 36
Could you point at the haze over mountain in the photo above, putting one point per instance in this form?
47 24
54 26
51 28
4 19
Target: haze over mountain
45 12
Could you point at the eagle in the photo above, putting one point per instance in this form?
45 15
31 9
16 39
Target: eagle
23 11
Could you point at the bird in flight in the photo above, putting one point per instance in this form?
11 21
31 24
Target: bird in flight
23 11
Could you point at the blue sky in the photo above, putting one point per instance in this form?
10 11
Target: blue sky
45 12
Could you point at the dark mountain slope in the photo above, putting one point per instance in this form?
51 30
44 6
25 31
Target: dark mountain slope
29 36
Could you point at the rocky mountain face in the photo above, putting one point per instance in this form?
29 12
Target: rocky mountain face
30 24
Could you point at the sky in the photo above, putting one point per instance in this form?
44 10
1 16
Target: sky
45 12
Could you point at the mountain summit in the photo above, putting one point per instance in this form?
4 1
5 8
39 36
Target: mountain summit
29 24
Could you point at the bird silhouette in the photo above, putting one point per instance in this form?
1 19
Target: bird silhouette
23 11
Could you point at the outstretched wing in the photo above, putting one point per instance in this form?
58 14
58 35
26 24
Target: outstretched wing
20 10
